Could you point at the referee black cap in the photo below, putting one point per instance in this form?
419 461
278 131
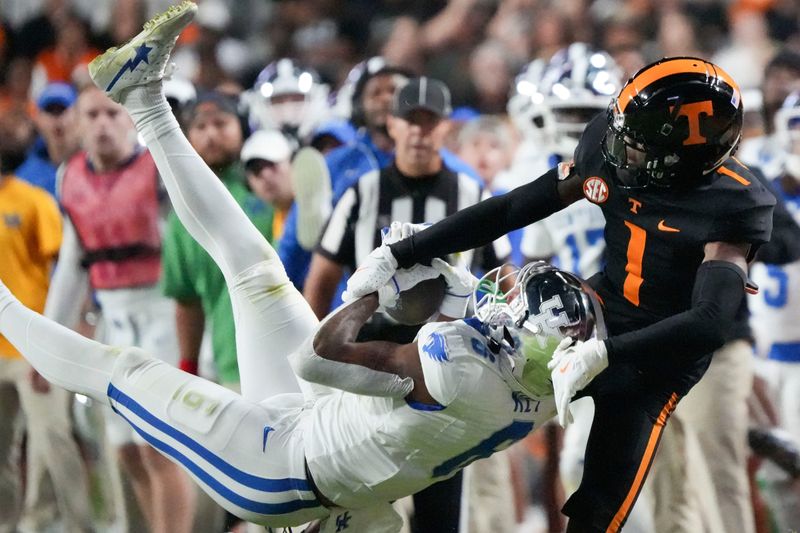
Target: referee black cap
422 93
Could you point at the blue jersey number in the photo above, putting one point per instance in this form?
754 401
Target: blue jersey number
778 297
592 237
516 431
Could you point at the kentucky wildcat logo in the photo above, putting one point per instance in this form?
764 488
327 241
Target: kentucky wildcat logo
549 319
436 347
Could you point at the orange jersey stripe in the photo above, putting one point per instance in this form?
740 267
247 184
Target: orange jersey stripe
677 66
652 442
633 281
733 175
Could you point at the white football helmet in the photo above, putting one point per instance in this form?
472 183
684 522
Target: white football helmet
526 101
288 97
527 322
578 83
787 129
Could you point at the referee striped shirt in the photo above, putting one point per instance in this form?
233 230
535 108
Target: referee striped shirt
380 197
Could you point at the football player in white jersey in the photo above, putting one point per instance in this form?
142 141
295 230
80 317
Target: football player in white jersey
371 421
775 310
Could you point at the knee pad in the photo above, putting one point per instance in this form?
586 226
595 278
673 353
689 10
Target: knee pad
267 275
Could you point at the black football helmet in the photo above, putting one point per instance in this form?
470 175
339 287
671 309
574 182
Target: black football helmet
674 122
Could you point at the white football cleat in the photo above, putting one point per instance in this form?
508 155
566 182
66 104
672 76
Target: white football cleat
144 58
312 193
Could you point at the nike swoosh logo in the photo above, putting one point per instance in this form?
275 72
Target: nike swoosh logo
267 429
565 367
664 227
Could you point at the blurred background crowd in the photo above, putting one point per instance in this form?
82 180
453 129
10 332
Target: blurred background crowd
293 103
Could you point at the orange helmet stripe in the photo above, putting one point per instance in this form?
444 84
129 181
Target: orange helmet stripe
668 68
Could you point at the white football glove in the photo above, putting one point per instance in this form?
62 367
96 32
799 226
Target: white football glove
572 367
398 231
403 279
460 284
380 265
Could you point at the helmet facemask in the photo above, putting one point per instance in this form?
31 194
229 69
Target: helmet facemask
637 165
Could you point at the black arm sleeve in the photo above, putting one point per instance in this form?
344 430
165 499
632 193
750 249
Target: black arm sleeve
702 329
480 224
784 245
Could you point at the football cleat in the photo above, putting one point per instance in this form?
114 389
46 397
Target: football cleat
144 58
312 189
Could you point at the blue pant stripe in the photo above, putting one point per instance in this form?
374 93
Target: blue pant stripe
785 351
262 508
244 478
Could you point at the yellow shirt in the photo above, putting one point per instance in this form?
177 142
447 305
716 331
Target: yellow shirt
278 223
30 236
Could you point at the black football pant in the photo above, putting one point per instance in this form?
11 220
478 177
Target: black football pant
631 409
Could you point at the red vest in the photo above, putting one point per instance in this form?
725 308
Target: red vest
116 217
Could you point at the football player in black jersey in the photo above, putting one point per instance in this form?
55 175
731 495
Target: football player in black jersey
683 217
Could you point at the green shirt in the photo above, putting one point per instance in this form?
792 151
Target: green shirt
189 273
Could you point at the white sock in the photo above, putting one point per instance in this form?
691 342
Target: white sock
149 109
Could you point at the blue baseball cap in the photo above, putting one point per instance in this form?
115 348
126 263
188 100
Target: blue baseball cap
464 114
57 93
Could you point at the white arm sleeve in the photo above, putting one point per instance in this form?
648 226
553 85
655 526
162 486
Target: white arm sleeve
70 282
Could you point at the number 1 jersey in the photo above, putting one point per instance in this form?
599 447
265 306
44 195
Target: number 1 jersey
655 237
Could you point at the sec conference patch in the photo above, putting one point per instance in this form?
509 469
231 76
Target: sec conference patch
595 190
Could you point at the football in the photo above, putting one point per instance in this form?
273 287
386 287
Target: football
419 303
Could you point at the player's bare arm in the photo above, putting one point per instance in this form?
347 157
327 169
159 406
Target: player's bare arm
735 253
336 341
